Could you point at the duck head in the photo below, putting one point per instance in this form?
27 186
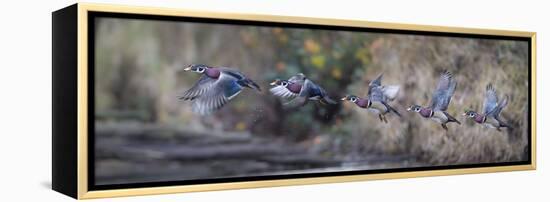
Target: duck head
199 68
415 108
423 111
279 82
361 102
351 98
470 114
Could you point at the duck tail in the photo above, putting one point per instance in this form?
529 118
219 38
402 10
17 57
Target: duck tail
327 100
451 118
395 111
252 84
503 124
392 109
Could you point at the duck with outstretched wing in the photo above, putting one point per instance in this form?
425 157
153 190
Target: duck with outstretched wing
491 110
377 99
301 90
441 97
215 88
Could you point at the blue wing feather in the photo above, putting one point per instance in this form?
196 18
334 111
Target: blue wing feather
231 89
491 100
443 92
225 88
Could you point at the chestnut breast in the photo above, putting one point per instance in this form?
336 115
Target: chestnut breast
213 73
426 112
294 87
479 118
363 103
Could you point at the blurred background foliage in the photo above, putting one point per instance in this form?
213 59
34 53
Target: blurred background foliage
138 76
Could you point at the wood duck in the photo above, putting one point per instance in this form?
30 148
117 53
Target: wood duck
491 110
441 98
216 87
300 89
377 99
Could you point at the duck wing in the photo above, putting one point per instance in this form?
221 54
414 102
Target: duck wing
239 76
376 94
307 91
224 89
283 92
199 88
491 100
375 83
496 112
443 92
390 91
232 72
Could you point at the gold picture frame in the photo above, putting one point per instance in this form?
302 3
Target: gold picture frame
71 170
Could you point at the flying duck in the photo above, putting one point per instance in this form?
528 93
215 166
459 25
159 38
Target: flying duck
441 98
216 87
377 99
491 110
300 89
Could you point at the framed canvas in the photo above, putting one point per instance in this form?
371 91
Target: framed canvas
156 100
